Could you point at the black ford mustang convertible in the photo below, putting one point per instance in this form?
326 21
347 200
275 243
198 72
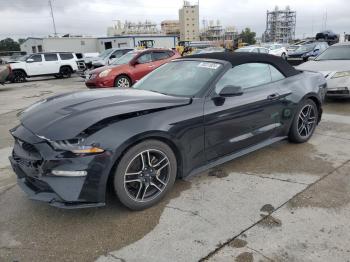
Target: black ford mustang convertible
185 117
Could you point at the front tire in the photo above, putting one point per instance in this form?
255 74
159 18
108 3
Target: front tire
145 174
122 82
304 122
18 76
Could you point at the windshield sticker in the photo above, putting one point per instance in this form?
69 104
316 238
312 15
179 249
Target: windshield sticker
209 65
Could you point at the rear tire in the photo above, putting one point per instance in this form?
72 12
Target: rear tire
304 122
65 72
18 76
145 173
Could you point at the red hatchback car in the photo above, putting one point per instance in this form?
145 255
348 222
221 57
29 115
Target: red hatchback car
129 68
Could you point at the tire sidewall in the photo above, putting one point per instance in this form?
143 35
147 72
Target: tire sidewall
294 135
118 179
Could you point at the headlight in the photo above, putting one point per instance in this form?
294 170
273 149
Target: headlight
76 146
341 74
105 73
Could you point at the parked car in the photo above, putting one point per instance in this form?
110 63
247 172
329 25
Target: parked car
303 53
278 50
207 50
60 65
327 36
188 115
334 64
106 57
252 49
125 71
5 72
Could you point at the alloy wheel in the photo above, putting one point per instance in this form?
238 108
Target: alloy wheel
306 121
19 77
123 83
147 175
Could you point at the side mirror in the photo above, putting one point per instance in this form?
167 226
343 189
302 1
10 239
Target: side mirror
133 62
30 60
231 90
316 50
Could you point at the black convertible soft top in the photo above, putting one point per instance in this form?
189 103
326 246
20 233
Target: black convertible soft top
242 58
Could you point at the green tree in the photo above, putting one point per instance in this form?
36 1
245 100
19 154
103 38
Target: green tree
21 40
8 44
248 36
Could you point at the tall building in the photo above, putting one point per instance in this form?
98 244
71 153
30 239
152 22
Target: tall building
280 25
170 27
189 22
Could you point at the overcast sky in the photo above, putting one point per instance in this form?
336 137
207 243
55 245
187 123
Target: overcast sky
23 18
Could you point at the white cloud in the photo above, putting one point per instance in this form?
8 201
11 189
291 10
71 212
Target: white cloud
32 17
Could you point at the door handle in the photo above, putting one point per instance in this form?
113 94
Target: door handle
273 96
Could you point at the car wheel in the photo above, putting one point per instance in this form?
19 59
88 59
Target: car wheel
145 173
18 76
304 122
122 82
65 72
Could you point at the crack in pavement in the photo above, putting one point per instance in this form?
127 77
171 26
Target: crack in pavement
257 251
119 258
227 242
193 213
279 179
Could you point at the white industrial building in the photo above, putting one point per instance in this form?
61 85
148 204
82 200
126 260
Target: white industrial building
93 44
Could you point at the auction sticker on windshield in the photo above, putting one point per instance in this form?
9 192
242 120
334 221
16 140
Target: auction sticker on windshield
209 65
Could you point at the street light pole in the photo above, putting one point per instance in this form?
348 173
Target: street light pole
53 18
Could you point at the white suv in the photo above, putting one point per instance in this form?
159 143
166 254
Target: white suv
60 65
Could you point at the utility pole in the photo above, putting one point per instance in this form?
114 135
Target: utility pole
53 19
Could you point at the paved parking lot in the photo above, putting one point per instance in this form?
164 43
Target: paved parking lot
286 202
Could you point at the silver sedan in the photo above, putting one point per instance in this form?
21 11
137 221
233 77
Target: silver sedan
334 64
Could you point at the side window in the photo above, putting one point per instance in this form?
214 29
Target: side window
245 75
160 55
263 50
116 54
36 58
145 58
65 56
276 75
50 57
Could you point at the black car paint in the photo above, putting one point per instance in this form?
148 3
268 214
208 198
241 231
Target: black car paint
199 130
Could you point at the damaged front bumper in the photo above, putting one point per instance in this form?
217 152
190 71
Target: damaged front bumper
33 161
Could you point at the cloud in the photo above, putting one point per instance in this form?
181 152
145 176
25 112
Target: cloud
32 17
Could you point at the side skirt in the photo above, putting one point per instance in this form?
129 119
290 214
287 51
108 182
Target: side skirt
235 155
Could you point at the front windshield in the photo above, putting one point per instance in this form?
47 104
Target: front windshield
179 78
23 58
124 59
105 53
306 48
335 53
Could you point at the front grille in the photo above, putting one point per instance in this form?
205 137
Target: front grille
29 148
26 150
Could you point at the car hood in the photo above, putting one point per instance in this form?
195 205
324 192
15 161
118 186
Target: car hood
326 66
65 116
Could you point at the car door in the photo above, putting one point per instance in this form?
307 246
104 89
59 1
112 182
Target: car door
52 65
34 65
237 122
144 65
